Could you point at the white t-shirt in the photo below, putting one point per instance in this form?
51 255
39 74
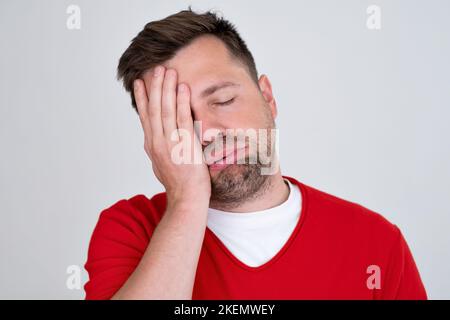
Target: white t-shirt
255 237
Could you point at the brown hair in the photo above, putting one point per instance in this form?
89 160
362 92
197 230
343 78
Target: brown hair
160 40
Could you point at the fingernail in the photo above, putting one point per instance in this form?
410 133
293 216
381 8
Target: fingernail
157 71
181 87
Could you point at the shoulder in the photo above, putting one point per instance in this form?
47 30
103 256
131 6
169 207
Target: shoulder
348 218
129 221
138 208
371 240
118 242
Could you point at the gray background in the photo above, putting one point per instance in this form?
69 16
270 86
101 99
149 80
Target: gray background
363 115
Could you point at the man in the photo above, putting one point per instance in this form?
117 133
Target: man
223 229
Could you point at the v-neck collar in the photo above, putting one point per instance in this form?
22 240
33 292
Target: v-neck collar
209 233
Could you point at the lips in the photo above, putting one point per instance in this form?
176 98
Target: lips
223 161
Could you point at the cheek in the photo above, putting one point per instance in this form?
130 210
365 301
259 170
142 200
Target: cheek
241 120
257 116
250 113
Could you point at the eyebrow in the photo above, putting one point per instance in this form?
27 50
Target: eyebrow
210 90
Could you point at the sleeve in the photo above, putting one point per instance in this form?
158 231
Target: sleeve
402 279
118 243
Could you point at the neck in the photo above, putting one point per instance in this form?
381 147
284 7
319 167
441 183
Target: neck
275 193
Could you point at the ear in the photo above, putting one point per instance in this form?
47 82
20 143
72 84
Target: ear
266 90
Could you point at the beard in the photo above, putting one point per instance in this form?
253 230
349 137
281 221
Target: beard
238 183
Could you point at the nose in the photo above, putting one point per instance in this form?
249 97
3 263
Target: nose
209 125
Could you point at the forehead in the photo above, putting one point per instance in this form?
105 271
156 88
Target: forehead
206 61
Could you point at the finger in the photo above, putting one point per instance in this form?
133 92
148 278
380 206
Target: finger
185 121
168 105
140 96
184 116
154 103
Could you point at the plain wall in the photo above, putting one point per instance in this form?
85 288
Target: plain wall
363 114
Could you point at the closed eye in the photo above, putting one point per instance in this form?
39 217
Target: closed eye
225 102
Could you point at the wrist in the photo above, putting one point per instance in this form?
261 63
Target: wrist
187 202
184 196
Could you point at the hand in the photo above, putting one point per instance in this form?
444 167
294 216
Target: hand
162 110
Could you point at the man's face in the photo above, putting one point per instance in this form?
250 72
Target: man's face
223 97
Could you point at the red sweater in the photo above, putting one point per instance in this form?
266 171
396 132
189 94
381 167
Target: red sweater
328 255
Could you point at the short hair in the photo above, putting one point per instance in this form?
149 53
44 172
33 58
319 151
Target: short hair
160 40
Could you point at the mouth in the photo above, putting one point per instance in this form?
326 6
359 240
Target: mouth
229 159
